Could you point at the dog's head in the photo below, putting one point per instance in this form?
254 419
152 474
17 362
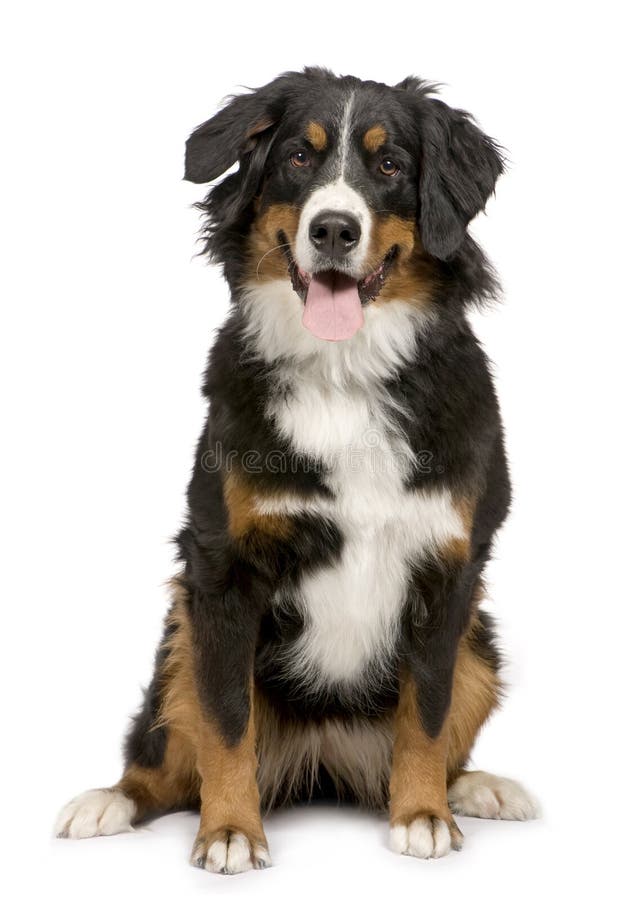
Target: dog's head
356 191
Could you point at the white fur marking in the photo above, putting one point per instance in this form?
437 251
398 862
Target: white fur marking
352 609
399 838
216 857
239 858
98 812
340 197
387 340
235 855
421 838
488 796
442 839
345 134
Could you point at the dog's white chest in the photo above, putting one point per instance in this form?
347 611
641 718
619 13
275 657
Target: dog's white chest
352 608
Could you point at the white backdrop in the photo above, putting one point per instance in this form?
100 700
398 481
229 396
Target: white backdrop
107 319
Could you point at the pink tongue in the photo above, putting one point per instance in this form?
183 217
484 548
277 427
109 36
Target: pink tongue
333 310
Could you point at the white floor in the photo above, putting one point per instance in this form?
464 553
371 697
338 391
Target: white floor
324 851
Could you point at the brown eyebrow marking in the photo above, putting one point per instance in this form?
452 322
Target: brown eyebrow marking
374 138
316 135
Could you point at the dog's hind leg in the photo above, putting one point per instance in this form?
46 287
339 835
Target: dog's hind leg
160 764
488 796
142 791
476 693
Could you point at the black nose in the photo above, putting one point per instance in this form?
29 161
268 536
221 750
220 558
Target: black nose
334 233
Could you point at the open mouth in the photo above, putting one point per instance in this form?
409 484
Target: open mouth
333 301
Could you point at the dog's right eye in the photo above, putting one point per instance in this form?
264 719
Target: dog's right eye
389 167
300 158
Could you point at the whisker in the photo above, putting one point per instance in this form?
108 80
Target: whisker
272 250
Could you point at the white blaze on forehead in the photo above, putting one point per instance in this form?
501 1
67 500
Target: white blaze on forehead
336 196
345 135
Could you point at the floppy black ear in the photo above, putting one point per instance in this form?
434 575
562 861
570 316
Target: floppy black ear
218 143
459 168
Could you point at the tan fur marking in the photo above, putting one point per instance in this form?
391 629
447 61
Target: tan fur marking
374 138
172 785
413 273
317 136
475 695
411 279
457 551
418 783
466 507
389 230
243 518
229 792
265 259
180 709
175 783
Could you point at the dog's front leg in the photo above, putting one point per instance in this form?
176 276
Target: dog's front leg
224 621
421 822
231 837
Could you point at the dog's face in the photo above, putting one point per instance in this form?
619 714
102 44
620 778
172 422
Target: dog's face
353 190
340 200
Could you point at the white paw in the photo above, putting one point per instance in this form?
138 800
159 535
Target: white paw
106 811
229 853
426 837
491 797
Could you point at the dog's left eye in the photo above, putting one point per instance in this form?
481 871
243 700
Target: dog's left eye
300 158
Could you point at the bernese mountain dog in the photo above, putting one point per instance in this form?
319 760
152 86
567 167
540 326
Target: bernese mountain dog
325 634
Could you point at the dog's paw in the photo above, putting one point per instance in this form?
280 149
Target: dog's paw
427 837
100 812
488 796
229 852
